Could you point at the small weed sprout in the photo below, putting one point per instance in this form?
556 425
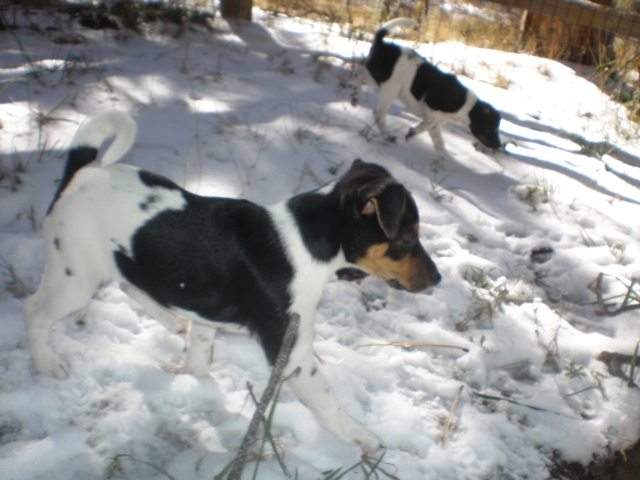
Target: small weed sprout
501 81
321 68
487 297
14 284
545 70
471 238
282 63
539 192
574 371
479 277
43 118
11 175
616 247
303 134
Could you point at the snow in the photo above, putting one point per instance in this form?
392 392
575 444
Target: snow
237 113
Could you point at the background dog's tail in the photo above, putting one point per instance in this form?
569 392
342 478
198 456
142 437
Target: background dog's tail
89 138
396 22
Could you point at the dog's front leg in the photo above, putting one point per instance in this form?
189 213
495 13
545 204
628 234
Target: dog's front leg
422 127
435 132
199 349
357 81
313 390
356 93
430 123
388 92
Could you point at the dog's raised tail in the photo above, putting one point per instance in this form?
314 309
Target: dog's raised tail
88 139
396 22
93 133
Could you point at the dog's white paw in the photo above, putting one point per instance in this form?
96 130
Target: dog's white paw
197 370
50 364
351 431
367 441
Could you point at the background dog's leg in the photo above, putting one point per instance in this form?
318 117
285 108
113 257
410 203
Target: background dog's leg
199 349
422 127
387 94
314 391
61 293
358 81
435 131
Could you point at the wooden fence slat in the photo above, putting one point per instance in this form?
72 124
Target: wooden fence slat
579 13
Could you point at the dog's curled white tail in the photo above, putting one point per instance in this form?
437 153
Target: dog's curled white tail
398 22
98 129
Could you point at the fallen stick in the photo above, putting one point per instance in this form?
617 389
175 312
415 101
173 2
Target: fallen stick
447 424
413 344
267 395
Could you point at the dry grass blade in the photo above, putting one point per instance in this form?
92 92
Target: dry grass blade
447 424
625 306
413 344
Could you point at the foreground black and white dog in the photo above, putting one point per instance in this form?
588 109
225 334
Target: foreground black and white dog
206 259
426 92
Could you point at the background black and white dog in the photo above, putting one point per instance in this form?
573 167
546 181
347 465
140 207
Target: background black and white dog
426 92
202 260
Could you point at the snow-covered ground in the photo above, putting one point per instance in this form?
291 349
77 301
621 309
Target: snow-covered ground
245 112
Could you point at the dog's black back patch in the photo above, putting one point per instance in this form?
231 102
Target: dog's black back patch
441 91
382 58
318 224
78 158
152 180
221 258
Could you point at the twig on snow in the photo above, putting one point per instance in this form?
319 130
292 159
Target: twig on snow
281 361
447 424
413 344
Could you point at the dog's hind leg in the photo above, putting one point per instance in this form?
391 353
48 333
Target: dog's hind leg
199 349
168 320
62 292
435 132
199 338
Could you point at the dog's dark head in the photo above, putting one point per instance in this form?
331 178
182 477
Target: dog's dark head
380 229
484 124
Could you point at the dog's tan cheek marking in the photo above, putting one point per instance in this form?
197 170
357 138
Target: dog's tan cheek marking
376 263
372 261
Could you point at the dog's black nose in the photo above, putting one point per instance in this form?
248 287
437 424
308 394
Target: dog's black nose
435 277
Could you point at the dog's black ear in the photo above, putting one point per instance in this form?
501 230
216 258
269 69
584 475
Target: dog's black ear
389 207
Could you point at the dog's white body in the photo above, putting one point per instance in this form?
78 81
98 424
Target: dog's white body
399 73
399 87
99 211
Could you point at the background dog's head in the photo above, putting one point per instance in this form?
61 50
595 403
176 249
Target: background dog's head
380 226
484 124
